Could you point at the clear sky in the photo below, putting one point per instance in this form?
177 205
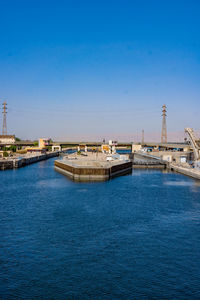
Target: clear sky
85 70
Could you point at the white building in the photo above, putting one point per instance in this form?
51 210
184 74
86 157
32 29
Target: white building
7 139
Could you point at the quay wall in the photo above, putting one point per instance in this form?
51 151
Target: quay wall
6 164
185 171
18 163
140 160
149 166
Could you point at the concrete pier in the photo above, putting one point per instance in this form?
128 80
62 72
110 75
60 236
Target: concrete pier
90 168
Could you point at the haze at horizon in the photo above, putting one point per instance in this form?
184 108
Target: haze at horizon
99 69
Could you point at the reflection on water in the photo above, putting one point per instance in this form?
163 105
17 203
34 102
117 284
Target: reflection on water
50 183
133 237
179 183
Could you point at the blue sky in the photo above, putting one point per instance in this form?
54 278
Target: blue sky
85 70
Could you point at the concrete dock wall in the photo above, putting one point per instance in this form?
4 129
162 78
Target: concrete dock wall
18 163
143 160
80 173
6 164
148 166
185 171
120 169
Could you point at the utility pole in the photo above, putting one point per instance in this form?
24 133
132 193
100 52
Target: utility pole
142 136
164 126
4 130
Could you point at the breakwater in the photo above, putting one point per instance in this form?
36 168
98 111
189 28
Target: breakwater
14 163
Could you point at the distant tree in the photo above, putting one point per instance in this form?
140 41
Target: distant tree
5 154
17 139
12 148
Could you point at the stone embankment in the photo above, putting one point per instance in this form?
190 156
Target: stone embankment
13 163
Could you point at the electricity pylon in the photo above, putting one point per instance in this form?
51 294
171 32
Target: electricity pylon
4 130
164 125
142 136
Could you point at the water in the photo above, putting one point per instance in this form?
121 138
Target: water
134 237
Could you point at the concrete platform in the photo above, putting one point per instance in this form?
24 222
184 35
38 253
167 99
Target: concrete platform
86 169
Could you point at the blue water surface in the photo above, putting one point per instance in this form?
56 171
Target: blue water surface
133 237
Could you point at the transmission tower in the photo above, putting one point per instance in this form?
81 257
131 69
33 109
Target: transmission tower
164 126
142 136
4 130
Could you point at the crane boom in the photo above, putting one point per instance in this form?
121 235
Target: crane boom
194 143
